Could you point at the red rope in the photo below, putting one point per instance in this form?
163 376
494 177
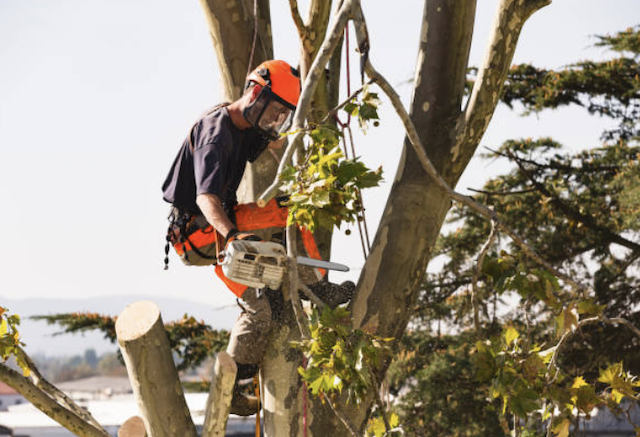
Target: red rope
348 55
304 401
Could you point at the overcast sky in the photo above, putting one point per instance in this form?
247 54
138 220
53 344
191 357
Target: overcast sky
96 97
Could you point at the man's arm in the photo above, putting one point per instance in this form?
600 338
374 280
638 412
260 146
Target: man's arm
212 210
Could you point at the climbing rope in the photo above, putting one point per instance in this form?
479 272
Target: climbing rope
255 35
256 384
361 219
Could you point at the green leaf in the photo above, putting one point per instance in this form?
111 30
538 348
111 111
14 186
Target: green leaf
510 335
524 402
561 429
589 308
585 398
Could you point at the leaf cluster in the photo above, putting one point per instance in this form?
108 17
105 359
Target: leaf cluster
325 189
364 108
528 382
339 359
440 393
10 342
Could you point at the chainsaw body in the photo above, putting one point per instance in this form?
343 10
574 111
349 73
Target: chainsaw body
256 264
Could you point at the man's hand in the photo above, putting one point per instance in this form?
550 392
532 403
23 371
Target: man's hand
277 144
234 234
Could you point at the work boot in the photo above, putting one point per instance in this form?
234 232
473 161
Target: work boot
333 294
243 404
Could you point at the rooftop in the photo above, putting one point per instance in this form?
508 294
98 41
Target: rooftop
6 390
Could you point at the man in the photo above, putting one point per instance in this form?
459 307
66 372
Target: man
202 186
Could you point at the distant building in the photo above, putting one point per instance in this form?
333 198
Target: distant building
95 388
27 420
8 397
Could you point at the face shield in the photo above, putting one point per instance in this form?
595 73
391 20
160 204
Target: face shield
269 114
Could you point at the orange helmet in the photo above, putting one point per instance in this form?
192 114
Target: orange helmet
282 78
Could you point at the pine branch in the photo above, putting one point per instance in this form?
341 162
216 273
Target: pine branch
586 220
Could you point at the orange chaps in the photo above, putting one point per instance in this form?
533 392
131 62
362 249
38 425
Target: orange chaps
249 217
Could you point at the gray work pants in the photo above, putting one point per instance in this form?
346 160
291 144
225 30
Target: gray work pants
250 333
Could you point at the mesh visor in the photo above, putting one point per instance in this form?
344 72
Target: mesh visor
268 113
274 117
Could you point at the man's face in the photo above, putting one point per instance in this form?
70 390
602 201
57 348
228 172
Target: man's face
265 112
274 116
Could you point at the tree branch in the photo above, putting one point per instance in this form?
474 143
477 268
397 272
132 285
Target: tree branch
51 390
49 405
502 193
476 275
429 168
293 280
335 110
488 87
343 419
585 322
297 19
310 83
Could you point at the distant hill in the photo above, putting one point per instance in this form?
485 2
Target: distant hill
40 339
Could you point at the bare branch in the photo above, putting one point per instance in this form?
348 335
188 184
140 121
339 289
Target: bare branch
583 323
310 83
49 405
297 19
51 390
311 295
511 16
416 143
344 420
476 275
353 95
502 193
292 281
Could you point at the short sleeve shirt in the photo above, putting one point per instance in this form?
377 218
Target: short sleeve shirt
215 164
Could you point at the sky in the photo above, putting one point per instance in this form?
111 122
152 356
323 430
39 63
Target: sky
97 96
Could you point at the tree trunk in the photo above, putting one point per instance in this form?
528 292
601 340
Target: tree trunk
153 375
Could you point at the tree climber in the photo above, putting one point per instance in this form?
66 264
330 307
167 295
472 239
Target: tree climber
202 185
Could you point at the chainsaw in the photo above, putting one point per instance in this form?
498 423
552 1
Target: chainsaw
260 264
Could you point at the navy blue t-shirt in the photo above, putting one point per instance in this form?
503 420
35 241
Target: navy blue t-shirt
216 163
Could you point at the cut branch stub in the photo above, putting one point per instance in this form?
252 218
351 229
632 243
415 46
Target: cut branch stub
220 394
153 375
133 427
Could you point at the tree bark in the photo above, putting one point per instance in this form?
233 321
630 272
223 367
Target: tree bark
220 394
231 27
145 348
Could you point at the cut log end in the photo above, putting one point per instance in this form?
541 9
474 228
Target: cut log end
136 320
133 427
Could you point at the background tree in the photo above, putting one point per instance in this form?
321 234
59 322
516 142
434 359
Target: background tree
579 209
